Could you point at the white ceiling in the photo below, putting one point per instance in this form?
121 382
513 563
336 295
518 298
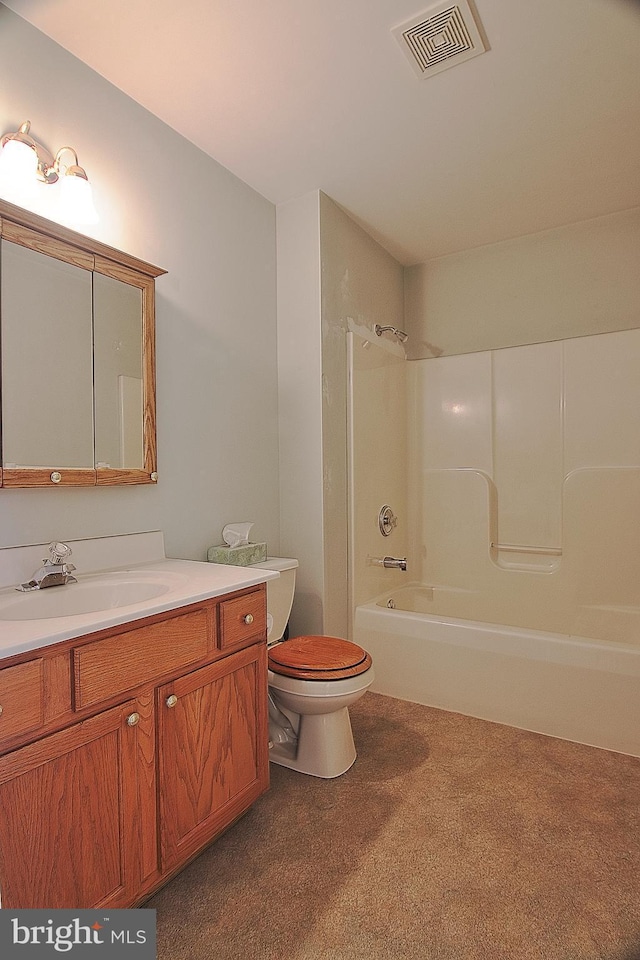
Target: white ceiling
298 95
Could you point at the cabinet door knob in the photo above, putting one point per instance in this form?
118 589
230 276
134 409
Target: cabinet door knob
172 700
248 618
0 709
133 719
56 476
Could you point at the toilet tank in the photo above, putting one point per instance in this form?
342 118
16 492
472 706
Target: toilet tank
279 593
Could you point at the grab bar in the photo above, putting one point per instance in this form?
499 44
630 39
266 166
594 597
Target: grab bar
524 548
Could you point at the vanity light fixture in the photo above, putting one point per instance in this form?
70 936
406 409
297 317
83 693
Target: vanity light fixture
25 162
76 198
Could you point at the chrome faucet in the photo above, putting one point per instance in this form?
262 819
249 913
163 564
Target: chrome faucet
393 563
54 572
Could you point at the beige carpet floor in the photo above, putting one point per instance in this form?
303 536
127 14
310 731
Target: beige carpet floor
449 839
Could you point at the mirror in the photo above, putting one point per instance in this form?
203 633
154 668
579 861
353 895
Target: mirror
77 358
47 361
118 373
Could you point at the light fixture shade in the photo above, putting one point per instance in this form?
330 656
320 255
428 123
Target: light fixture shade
76 199
18 169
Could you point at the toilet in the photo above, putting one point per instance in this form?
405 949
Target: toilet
313 680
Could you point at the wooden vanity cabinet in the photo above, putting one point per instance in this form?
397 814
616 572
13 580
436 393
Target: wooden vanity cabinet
209 723
69 822
126 787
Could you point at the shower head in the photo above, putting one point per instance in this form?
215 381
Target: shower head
400 334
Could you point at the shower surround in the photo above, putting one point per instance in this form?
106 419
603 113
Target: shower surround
522 493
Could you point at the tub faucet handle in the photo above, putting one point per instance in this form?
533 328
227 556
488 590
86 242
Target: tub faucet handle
387 520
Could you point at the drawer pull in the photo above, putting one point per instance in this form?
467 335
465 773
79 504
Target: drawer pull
133 719
248 618
172 700
0 709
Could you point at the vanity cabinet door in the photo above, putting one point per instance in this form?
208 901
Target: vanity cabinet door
74 830
213 751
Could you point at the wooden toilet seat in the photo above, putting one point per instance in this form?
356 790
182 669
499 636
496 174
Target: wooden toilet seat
318 658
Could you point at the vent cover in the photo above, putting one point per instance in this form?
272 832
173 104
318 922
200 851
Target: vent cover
440 37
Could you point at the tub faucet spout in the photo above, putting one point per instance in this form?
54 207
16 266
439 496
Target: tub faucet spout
391 563
395 563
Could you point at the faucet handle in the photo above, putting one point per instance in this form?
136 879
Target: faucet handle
59 552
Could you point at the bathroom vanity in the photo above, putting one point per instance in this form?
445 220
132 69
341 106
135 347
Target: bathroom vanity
126 749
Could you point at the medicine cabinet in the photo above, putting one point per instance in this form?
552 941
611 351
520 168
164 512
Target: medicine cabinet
77 358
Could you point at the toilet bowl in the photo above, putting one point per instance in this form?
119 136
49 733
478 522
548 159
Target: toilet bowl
313 680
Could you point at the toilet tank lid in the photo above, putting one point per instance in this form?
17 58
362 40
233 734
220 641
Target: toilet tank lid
276 563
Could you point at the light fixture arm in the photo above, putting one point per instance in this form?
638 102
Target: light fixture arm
73 169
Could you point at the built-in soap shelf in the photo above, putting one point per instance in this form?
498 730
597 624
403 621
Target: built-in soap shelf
523 556
525 548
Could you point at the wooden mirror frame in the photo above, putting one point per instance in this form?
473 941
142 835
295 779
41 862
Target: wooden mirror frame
49 238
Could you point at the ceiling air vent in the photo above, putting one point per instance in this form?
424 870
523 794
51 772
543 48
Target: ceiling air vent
440 37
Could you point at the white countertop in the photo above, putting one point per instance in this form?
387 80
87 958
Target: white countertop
190 581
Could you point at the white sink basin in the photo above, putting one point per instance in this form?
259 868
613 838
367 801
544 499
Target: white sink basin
121 579
90 595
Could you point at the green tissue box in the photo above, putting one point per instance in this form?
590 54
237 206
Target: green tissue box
240 556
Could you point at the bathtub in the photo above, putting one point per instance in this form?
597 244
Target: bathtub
563 685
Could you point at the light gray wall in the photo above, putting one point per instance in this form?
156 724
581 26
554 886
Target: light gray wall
573 281
361 283
163 200
300 407
329 272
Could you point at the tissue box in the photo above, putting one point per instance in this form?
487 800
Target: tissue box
240 556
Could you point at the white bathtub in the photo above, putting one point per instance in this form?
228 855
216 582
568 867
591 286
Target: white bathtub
580 689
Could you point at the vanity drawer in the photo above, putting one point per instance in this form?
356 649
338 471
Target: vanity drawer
111 666
243 620
21 698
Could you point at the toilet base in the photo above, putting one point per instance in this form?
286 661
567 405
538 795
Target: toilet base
324 747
